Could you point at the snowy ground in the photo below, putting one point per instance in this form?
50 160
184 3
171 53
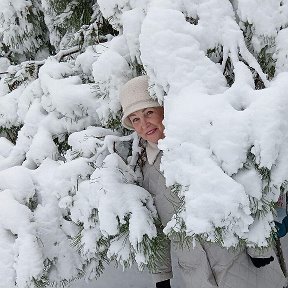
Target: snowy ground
128 279
132 278
113 277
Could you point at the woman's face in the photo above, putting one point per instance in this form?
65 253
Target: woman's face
148 123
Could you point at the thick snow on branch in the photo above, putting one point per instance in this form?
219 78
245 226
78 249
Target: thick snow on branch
209 127
68 170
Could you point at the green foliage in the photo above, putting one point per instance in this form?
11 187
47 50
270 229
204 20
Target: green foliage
229 72
43 281
248 31
114 123
262 207
10 133
264 56
283 187
263 171
104 27
40 283
176 188
96 32
215 54
63 19
22 74
74 14
4 48
36 18
62 144
100 257
137 68
192 20
259 208
153 250
32 202
266 60
28 33
180 236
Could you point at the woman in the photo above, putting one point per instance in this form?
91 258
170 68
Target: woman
207 264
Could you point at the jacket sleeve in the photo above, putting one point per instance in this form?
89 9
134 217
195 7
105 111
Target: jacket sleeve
163 267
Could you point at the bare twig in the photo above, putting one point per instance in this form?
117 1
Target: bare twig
63 53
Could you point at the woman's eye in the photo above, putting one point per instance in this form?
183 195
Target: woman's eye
134 120
149 112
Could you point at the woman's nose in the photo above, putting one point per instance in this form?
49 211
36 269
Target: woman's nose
145 123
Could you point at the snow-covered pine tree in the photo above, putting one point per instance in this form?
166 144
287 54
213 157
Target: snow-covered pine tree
219 68
23 33
42 103
65 18
228 77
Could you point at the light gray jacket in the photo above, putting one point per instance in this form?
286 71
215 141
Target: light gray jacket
207 265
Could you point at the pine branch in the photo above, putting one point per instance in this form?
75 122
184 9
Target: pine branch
11 133
154 250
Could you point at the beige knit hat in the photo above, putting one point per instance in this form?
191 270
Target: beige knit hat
134 96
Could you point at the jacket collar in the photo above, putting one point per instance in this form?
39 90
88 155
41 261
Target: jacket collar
152 151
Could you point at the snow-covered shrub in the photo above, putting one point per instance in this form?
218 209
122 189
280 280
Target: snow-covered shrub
220 70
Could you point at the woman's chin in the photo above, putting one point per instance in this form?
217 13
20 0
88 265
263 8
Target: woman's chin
153 138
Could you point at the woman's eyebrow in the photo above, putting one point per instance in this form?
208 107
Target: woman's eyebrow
143 110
